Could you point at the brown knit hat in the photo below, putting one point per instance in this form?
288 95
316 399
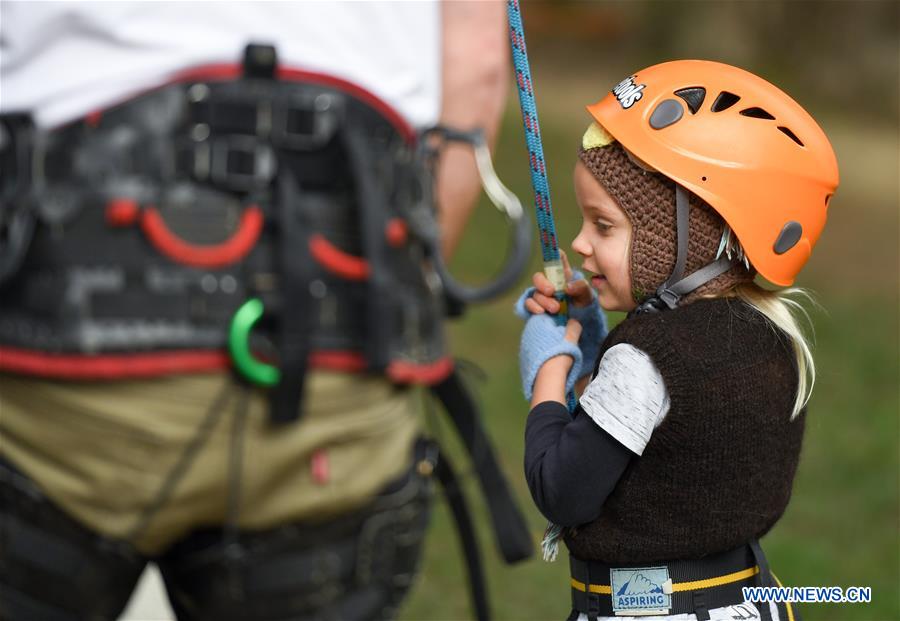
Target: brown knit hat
648 199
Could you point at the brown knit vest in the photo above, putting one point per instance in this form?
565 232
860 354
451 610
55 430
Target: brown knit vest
718 471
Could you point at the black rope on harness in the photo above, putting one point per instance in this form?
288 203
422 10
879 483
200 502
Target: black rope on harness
764 578
466 531
234 550
511 532
201 435
470 373
373 214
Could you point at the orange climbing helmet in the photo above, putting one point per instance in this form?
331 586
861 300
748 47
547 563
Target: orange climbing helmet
740 143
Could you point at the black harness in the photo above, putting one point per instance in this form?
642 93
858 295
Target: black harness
158 218
677 587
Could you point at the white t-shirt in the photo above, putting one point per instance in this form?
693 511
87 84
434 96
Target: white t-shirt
628 399
63 60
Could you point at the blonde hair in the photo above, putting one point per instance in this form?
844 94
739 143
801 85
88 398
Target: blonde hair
785 312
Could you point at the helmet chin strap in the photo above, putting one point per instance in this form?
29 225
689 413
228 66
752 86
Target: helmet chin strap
670 292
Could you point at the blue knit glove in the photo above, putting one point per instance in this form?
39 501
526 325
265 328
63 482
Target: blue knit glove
542 339
591 318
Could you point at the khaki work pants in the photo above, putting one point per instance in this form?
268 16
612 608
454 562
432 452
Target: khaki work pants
102 450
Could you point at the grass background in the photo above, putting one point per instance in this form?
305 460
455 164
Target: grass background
841 527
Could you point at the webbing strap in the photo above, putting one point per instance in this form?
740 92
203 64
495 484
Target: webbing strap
373 218
676 287
764 578
605 589
510 529
682 220
466 530
701 276
298 304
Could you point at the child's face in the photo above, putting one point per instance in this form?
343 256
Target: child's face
604 242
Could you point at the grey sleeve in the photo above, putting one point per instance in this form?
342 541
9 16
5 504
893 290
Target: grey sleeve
628 397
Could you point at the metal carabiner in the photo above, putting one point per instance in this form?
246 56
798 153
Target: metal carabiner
503 199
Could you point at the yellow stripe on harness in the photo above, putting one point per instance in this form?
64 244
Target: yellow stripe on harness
602 589
719 581
605 589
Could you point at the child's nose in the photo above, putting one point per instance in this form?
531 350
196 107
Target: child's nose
580 245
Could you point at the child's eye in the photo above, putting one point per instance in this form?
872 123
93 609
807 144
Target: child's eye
603 227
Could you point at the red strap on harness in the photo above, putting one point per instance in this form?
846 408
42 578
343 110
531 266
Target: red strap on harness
110 366
122 212
123 366
230 251
428 374
349 361
336 260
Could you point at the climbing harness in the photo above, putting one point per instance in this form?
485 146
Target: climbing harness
689 587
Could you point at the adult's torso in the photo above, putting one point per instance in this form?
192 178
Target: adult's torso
61 61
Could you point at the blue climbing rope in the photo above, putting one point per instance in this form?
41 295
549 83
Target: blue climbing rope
543 208
553 267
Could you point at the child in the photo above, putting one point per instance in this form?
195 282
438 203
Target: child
681 454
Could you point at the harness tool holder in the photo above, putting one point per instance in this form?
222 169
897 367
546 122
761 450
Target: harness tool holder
241 217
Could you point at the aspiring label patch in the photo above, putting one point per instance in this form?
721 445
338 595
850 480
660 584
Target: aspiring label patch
627 92
639 591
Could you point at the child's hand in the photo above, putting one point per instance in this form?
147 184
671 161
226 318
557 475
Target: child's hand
542 300
542 341
584 307
553 379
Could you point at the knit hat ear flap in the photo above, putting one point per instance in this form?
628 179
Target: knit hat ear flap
648 200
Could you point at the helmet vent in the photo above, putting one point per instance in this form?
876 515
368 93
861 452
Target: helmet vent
790 135
788 237
693 97
724 101
757 113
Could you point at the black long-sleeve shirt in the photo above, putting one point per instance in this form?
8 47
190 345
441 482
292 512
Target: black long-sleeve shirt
571 464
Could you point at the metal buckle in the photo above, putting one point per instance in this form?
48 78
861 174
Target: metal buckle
668 297
208 113
292 131
219 155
